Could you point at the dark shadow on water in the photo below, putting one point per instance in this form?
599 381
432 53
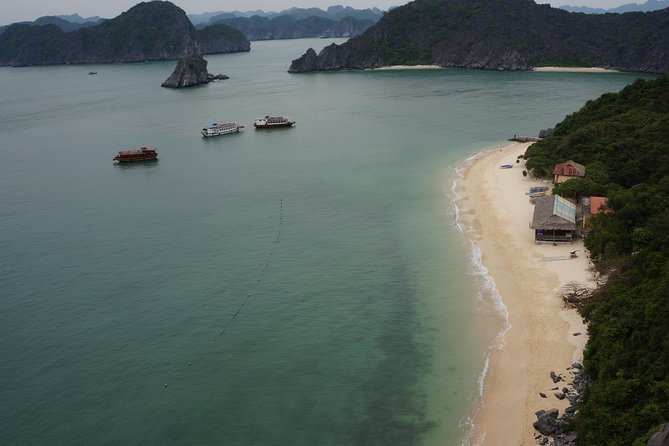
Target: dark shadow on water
396 412
137 165
222 137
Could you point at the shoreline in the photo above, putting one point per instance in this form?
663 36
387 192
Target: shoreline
575 69
494 213
407 67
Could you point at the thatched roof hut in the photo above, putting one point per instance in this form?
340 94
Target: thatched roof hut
554 219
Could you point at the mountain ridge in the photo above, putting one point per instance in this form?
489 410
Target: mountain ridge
287 27
649 5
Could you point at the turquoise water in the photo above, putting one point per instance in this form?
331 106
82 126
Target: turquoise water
360 304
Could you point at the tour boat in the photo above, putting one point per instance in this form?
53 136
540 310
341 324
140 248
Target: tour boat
221 129
143 154
269 122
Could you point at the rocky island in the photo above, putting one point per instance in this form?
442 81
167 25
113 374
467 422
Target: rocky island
189 72
494 35
156 30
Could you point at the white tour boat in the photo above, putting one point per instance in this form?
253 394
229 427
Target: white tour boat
221 129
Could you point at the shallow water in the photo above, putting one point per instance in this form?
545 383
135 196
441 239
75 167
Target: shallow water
360 302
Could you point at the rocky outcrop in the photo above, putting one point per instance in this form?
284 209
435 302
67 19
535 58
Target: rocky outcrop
550 424
661 438
189 72
495 35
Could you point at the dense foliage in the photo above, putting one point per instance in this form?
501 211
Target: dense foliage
509 35
623 139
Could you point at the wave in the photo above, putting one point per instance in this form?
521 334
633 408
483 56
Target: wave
488 296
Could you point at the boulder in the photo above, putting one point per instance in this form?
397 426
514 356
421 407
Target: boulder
546 422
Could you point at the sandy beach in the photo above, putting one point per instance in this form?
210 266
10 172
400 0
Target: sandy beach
496 213
576 69
408 67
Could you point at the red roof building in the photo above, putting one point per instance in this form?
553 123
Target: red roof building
568 170
593 206
597 205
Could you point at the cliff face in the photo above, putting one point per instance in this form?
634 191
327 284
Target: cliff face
156 30
509 35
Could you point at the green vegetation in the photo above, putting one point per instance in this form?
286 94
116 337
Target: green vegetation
623 139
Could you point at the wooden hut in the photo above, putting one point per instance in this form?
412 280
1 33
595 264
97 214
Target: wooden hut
568 170
554 220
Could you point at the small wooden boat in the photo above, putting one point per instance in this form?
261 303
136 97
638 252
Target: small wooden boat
506 166
131 156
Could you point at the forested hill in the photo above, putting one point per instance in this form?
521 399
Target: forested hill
500 35
156 30
623 140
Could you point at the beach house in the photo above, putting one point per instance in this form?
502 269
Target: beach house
568 170
554 220
592 206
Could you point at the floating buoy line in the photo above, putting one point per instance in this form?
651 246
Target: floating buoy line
223 329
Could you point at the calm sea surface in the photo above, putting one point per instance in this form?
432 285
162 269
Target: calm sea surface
334 243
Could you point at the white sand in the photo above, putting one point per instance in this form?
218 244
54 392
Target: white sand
576 69
408 67
540 339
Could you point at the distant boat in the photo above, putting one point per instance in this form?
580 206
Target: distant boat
269 122
506 166
92 72
130 156
223 128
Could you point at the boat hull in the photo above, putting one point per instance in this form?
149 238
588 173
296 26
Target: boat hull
135 160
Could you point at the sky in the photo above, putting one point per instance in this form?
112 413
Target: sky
19 10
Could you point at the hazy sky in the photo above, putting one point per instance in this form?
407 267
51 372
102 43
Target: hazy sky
18 10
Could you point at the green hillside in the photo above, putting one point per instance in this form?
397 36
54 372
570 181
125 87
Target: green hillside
501 35
623 140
